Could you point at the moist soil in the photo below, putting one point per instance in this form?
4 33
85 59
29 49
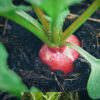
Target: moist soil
23 49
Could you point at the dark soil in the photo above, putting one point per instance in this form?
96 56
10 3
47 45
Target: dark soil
23 48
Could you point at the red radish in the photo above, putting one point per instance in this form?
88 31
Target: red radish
60 58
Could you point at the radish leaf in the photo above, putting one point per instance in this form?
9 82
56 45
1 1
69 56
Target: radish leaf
78 22
57 10
9 81
93 85
37 96
16 13
6 6
34 89
47 96
53 95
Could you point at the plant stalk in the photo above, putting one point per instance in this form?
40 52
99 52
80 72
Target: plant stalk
69 96
76 24
32 95
41 15
28 24
54 31
82 52
56 36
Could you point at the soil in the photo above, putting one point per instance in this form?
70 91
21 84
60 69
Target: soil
23 48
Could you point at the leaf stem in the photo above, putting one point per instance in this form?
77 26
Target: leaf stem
32 95
85 54
27 21
56 36
54 31
76 24
40 15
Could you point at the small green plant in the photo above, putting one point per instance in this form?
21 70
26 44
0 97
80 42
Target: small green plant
51 96
56 52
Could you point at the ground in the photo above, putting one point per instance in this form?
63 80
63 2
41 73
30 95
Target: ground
23 48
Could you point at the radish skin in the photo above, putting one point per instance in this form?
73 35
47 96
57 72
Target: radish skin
60 58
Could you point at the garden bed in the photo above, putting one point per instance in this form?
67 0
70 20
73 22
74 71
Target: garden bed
23 48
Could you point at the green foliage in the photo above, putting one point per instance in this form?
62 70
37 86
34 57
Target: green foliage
6 6
56 11
53 95
9 81
47 96
93 85
37 96
34 89
9 10
82 18
71 2
17 14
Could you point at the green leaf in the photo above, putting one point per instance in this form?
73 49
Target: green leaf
29 19
16 13
93 85
53 95
37 95
71 2
79 21
6 6
34 89
57 10
47 96
29 23
54 7
9 81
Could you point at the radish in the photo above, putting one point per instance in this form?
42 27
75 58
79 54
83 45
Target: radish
60 58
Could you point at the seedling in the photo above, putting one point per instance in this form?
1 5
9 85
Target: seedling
51 96
56 51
